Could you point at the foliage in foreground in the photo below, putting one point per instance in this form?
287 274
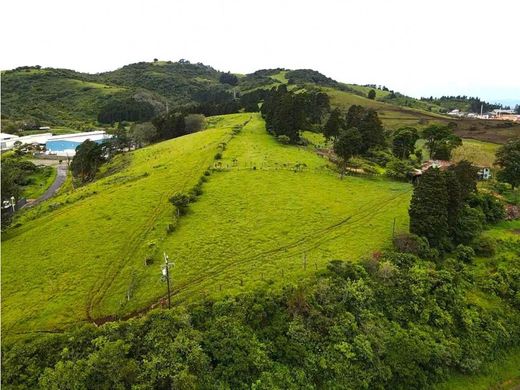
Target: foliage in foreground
395 322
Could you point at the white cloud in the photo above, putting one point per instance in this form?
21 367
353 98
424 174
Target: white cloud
419 48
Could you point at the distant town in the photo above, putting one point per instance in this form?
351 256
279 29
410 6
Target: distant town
496 114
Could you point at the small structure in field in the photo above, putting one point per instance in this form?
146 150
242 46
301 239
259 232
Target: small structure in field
440 164
484 173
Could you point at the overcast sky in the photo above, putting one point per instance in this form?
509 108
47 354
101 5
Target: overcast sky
420 48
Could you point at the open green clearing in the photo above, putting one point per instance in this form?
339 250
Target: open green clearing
69 250
478 152
39 182
268 213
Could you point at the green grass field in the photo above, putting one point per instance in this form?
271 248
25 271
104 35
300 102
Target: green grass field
478 152
41 180
72 248
268 213
392 116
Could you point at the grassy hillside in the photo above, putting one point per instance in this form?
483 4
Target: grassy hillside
392 116
82 240
479 152
60 97
179 82
90 244
54 96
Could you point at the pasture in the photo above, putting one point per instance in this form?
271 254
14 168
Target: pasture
62 256
269 213
478 152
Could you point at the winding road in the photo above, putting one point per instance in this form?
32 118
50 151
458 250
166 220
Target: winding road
61 175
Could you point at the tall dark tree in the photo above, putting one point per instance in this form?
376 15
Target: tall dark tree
371 130
333 125
508 159
317 106
347 145
429 208
371 94
89 157
354 116
228 78
440 141
455 198
403 143
285 113
368 124
170 125
466 174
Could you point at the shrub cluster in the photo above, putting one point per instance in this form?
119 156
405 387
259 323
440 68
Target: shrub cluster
401 323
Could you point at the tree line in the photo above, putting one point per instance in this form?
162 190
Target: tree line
287 113
393 320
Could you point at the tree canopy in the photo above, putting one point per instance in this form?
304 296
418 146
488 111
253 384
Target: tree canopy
403 143
508 159
440 141
87 160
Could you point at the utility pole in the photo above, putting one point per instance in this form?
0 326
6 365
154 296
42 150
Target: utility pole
166 275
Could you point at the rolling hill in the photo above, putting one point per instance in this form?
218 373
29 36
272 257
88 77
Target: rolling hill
99 248
60 97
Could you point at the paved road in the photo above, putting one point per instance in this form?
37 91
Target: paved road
58 182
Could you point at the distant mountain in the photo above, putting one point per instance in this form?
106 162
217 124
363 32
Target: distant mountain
35 96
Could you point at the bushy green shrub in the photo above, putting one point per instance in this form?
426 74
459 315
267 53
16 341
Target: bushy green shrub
398 169
218 156
181 202
411 243
490 205
379 157
484 246
464 253
468 226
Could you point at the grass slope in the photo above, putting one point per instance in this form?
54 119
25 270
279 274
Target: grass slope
502 374
258 221
478 152
258 218
54 96
40 182
69 251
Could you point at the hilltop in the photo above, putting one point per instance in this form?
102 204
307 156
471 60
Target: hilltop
35 96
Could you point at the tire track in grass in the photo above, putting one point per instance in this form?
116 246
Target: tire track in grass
314 239
99 290
97 294
320 236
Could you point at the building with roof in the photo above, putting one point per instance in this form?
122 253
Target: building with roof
8 141
65 145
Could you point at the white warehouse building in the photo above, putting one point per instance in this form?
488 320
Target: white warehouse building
59 145
65 145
